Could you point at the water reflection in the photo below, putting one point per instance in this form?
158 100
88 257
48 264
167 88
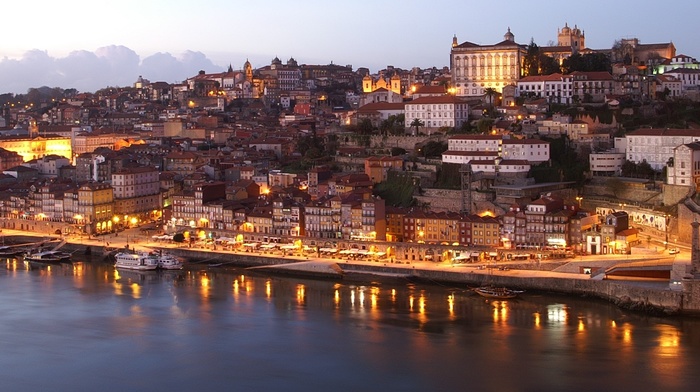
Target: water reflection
425 336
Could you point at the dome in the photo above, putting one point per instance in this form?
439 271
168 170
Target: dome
509 36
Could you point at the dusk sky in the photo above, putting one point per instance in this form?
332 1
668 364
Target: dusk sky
90 44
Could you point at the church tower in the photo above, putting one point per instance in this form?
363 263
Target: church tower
33 129
367 84
248 69
454 41
396 83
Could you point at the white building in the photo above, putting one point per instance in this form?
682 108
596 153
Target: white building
463 148
656 146
555 88
531 150
464 157
689 77
502 166
685 170
435 112
49 165
606 163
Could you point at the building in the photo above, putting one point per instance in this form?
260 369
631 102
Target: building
378 168
475 68
556 88
656 146
592 86
37 147
607 163
462 149
96 207
436 112
137 194
685 168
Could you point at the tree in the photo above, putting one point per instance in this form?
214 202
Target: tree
490 94
365 127
179 237
417 123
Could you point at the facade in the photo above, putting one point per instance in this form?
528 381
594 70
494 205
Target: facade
475 68
437 111
592 86
137 192
38 147
96 207
378 168
685 170
606 163
656 146
556 88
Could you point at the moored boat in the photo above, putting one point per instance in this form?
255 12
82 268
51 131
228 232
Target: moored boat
497 292
140 261
168 261
47 256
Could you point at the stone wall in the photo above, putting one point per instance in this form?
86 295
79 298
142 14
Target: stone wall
673 194
408 143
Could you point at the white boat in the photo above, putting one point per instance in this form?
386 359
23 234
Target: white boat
47 256
140 261
167 261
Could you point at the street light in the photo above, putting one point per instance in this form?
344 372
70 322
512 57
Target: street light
666 221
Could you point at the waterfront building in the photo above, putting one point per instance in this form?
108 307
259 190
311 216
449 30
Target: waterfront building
322 218
96 207
287 218
137 192
485 231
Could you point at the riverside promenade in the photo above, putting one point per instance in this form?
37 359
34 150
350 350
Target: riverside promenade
560 276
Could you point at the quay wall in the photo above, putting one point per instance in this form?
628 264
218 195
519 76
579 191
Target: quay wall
625 295
622 294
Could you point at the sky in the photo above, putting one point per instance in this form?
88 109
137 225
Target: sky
89 45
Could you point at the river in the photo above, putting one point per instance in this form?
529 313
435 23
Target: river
84 326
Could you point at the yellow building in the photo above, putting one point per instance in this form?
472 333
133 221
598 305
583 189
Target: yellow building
393 84
37 147
96 206
475 68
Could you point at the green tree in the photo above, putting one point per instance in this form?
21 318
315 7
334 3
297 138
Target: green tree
490 94
416 123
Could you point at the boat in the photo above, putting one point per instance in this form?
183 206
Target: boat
167 261
497 292
140 261
47 256
10 251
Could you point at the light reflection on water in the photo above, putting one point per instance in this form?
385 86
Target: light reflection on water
98 328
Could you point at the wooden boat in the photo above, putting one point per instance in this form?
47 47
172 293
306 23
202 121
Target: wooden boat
48 256
497 292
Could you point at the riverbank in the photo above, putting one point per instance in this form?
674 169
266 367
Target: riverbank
647 296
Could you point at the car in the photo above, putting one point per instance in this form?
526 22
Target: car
674 251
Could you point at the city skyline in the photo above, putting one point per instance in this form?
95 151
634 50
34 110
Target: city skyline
85 46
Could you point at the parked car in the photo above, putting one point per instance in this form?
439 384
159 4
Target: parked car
674 251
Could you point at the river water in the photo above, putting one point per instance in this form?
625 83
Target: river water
84 326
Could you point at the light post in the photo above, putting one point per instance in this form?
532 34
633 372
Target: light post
666 219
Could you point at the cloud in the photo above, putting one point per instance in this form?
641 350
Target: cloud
90 71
